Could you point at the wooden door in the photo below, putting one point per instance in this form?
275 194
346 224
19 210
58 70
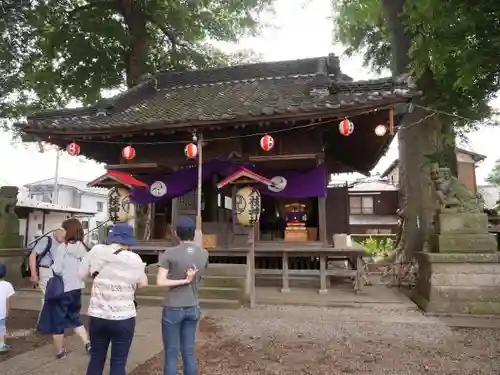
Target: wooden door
186 205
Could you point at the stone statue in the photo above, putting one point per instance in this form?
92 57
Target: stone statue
9 222
453 196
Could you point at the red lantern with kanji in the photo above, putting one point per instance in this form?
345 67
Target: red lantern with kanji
73 149
128 153
191 150
267 143
346 127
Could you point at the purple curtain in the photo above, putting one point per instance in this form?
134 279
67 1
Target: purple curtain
300 184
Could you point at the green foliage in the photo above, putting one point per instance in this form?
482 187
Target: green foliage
53 52
379 247
494 175
360 26
456 41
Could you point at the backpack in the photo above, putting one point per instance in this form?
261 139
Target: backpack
25 265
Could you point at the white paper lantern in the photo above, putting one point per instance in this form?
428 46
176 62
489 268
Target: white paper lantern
119 205
380 130
248 206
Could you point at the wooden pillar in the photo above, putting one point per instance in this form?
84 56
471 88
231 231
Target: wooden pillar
285 281
43 221
360 273
214 208
322 210
175 212
322 219
252 268
322 274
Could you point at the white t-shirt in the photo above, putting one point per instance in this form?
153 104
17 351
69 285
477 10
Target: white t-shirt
6 291
113 290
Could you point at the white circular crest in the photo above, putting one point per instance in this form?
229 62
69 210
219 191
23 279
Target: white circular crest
158 189
279 184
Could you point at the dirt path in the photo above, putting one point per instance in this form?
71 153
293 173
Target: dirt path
304 340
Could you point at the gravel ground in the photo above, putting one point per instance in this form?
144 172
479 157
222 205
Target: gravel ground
21 333
306 340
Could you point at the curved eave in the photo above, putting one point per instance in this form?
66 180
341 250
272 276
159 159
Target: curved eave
131 130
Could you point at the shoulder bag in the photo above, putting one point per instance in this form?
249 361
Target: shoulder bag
55 285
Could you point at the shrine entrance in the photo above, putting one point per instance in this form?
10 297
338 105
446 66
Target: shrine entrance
291 220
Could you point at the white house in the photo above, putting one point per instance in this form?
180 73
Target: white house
490 194
72 193
36 218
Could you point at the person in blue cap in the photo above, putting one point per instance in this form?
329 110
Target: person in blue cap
116 273
180 269
6 291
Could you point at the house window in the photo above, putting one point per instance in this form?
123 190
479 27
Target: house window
85 224
361 205
100 206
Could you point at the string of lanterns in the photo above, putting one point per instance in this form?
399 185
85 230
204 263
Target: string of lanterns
267 142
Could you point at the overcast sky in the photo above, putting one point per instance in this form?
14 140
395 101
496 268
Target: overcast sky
301 28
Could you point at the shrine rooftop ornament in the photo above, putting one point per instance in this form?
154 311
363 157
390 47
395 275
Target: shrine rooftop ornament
346 127
267 142
191 150
380 130
128 153
73 149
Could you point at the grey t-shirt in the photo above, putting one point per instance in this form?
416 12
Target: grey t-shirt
177 260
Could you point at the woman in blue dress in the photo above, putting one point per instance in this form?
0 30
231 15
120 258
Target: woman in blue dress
63 313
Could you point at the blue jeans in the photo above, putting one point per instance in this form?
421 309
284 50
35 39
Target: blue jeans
3 329
179 334
118 333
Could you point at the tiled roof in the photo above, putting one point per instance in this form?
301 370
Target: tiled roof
122 178
239 93
372 186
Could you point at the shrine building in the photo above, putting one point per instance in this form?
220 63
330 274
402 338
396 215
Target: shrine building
290 124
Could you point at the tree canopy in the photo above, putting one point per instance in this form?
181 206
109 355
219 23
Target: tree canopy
56 51
456 41
494 175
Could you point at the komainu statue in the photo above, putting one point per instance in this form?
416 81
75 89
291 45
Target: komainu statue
9 223
453 196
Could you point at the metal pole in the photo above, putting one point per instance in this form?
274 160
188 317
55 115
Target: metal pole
198 237
252 268
55 198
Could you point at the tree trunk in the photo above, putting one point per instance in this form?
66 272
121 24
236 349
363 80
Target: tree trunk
136 55
418 144
136 62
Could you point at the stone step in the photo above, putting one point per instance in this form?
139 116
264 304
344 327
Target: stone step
213 281
465 279
204 303
465 293
224 281
226 293
237 270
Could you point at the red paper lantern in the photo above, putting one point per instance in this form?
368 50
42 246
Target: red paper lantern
128 153
346 127
191 150
267 143
73 149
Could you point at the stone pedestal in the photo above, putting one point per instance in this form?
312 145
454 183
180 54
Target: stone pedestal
462 232
458 283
